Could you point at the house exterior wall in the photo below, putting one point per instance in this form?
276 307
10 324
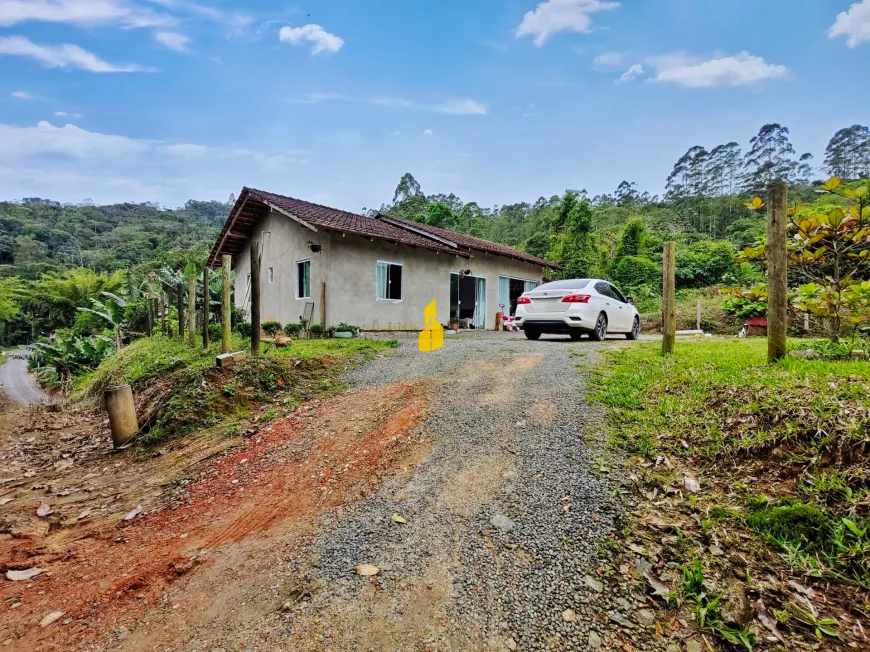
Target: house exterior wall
348 266
284 243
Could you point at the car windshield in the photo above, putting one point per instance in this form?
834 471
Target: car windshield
576 284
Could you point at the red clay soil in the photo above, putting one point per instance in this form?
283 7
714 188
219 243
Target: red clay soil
105 575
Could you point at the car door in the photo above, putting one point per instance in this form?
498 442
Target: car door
611 306
626 314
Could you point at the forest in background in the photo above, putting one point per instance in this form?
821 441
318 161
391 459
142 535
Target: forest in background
57 258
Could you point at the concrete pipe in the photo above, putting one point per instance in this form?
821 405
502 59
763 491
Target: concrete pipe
122 414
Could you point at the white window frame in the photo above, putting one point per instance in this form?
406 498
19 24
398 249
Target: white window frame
388 262
298 262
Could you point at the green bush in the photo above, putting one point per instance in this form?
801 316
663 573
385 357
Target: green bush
271 327
317 330
799 523
243 328
346 328
704 263
293 327
635 272
215 332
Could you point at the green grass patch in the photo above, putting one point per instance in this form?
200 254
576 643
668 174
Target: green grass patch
184 392
147 359
721 396
800 424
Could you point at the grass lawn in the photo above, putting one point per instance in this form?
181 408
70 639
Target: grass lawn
149 358
783 477
180 391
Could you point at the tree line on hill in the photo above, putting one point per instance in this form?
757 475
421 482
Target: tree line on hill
44 245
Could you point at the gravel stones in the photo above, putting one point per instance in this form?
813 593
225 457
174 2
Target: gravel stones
502 522
593 584
594 642
514 440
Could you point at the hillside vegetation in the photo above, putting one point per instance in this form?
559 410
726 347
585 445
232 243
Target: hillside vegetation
57 259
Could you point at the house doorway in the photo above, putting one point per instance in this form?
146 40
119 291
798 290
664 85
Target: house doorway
468 300
510 289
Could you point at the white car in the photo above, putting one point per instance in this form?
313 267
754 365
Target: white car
578 306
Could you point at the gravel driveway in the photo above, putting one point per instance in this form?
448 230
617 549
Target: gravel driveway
503 515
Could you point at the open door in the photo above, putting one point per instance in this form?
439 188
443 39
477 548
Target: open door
480 304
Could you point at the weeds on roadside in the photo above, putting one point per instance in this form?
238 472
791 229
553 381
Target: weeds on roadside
707 609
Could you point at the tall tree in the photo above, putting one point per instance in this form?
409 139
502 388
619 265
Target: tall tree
626 194
408 199
847 155
633 238
688 185
772 157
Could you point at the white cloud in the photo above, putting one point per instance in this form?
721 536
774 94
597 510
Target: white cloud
22 95
854 23
428 132
449 107
82 12
48 160
461 107
608 60
740 70
632 73
554 16
60 56
321 40
173 41
237 24
64 114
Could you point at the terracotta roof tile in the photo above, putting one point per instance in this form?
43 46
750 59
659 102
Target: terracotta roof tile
394 230
470 242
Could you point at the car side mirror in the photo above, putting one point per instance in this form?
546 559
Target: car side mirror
629 299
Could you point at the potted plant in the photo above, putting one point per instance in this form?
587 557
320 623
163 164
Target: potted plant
346 330
454 320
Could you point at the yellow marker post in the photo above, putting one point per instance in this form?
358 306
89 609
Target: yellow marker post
431 338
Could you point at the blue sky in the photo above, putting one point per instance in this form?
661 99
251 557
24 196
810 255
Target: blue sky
333 100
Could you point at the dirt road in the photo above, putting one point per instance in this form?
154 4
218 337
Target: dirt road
470 478
15 381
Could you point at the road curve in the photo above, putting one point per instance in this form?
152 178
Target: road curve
16 383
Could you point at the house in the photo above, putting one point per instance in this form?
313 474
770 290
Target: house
378 273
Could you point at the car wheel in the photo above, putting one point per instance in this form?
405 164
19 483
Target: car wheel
532 335
600 331
576 336
635 330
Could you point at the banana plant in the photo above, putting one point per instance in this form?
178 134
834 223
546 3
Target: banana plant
112 310
63 358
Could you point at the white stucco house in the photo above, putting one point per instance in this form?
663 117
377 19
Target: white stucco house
378 273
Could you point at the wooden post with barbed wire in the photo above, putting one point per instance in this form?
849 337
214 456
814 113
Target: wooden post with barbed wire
777 270
669 298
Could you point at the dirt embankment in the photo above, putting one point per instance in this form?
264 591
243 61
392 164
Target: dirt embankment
210 531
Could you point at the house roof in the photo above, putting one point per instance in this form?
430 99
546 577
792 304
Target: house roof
253 204
470 242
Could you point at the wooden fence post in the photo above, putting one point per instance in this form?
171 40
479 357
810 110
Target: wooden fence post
161 303
206 299
255 296
149 317
323 303
669 298
698 320
191 310
226 310
777 270
179 299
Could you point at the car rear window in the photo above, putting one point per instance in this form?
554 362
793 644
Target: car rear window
576 284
